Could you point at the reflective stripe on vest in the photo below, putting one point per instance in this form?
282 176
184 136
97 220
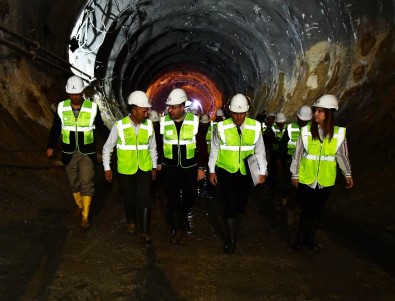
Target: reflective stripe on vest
188 131
133 150
319 159
234 148
293 134
84 122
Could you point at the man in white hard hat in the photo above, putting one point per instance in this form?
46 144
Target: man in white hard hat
76 120
182 165
134 138
235 139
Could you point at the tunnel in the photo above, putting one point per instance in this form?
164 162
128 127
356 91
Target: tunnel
281 54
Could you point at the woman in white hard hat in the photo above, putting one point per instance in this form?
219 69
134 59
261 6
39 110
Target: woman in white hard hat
320 148
235 139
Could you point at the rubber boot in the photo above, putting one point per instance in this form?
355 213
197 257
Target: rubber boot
304 228
86 203
230 245
314 224
78 201
145 219
177 226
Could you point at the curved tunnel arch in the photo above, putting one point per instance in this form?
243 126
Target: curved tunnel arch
260 45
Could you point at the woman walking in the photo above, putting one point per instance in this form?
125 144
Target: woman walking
320 148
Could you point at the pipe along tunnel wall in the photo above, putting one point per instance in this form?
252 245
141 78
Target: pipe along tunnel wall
280 53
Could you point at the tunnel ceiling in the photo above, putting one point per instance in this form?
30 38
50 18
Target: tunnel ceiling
273 51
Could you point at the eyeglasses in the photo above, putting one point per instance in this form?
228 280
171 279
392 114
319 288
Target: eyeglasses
174 107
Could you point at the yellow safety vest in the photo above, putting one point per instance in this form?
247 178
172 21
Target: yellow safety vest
233 149
210 134
293 134
187 137
318 162
278 135
133 150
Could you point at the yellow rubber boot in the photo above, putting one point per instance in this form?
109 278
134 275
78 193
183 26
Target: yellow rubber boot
86 203
78 201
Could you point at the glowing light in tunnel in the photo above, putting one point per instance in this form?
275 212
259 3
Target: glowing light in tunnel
202 92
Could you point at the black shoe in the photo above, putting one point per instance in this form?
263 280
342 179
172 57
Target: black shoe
230 248
297 245
146 239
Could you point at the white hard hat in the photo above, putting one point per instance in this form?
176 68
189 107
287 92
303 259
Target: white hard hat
271 115
75 85
139 98
280 117
327 101
219 113
176 97
305 113
153 116
239 104
195 112
204 118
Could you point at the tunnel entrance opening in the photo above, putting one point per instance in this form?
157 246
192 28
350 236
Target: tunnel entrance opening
203 93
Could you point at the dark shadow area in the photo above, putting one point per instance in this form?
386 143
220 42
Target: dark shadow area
370 242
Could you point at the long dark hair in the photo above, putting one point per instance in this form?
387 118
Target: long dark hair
329 125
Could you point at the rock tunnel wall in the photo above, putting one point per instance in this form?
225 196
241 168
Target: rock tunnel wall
281 53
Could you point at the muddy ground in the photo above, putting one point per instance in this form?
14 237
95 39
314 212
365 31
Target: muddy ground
45 255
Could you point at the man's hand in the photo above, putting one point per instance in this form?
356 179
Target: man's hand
262 179
201 174
49 152
295 182
108 176
350 182
213 178
153 174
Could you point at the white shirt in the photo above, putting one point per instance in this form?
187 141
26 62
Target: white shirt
112 142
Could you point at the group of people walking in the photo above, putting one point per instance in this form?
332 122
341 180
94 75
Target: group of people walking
184 156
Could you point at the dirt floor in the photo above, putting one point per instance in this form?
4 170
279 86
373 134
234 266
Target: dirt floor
45 255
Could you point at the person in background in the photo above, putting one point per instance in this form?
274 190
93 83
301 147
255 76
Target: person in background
235 139
153 115
182 162
289 196
268 134
288 144
204 137
320 148
76 120
134 138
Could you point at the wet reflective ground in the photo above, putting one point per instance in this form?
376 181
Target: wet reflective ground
45 255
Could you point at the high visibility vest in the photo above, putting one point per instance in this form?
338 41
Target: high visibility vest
186 139
133 150
318 162
278 134
84 122
264 127
293 134
233 148
210 134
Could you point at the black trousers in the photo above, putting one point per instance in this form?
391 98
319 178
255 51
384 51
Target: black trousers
235 189
313 200
180 186
137 192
